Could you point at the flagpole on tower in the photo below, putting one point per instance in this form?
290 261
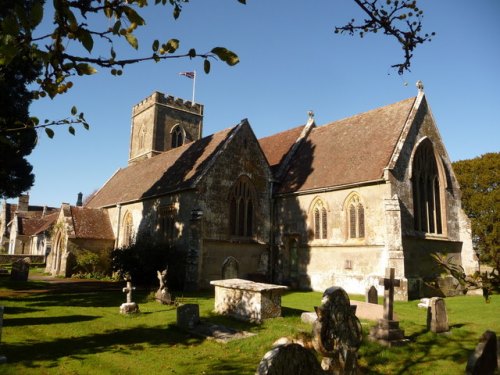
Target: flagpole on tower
194 84
190 75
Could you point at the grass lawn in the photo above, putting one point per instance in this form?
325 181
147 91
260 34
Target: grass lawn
52 329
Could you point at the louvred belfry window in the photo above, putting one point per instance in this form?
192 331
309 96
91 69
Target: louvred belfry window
241 208
426 190
177 137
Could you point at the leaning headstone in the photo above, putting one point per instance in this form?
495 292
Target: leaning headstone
372 295
230 268
484 360
387 331
3 359
437 318
188 315
20 270
129 307
290 359
162 295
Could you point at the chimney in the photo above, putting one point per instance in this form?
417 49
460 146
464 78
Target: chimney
79 201
23 203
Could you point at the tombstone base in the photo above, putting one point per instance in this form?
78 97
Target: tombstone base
163 297
387 332
3 359
129 308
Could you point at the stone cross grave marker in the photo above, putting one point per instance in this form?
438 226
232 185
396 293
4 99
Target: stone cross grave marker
437 318
387 331
389 282
372 295
129 307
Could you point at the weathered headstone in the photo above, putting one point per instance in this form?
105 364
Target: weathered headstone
387 331
162 295
230 268
337 336
437 318
3 359
20 270
337 333
129 307
484 360
290 359
372 295
188 315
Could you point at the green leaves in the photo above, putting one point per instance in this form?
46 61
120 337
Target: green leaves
49 132
229 57
132 40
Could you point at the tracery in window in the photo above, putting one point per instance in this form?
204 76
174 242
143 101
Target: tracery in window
166 223
177 136
320 221
356 218
426 190
241 208
128 230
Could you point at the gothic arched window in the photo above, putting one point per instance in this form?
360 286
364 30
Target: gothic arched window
241 208
128 230
426 190
177 136
355 218
320 223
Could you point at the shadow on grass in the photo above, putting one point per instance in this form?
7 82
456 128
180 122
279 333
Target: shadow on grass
123 341
423 349
289 311
15 322
11 310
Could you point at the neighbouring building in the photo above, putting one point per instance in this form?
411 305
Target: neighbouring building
311 207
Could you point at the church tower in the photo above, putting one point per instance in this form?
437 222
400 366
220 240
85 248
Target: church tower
161 123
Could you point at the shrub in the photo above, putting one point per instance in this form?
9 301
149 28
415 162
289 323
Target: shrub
142 259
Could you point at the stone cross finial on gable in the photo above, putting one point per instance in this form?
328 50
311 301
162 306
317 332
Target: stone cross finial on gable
389 282
420 86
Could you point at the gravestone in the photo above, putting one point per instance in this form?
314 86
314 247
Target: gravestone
336 336
437 318
20 270
129 307
387 331
372 295
162 295
230 268
337 333
484 360
3 359
290 359
188 315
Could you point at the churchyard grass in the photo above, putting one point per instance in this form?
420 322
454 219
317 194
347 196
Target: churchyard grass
51 330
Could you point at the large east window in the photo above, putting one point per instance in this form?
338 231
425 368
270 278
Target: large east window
426 190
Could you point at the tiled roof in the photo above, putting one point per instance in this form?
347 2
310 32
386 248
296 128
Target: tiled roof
31 222
91 223
352 150
276 146
172 170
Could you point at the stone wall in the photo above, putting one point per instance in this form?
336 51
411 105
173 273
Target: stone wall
9 259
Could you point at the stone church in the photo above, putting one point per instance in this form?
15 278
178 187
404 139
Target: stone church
310 207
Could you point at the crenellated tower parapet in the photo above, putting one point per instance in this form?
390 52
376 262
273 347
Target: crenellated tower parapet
161 122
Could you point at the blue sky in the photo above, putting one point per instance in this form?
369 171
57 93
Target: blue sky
291 62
